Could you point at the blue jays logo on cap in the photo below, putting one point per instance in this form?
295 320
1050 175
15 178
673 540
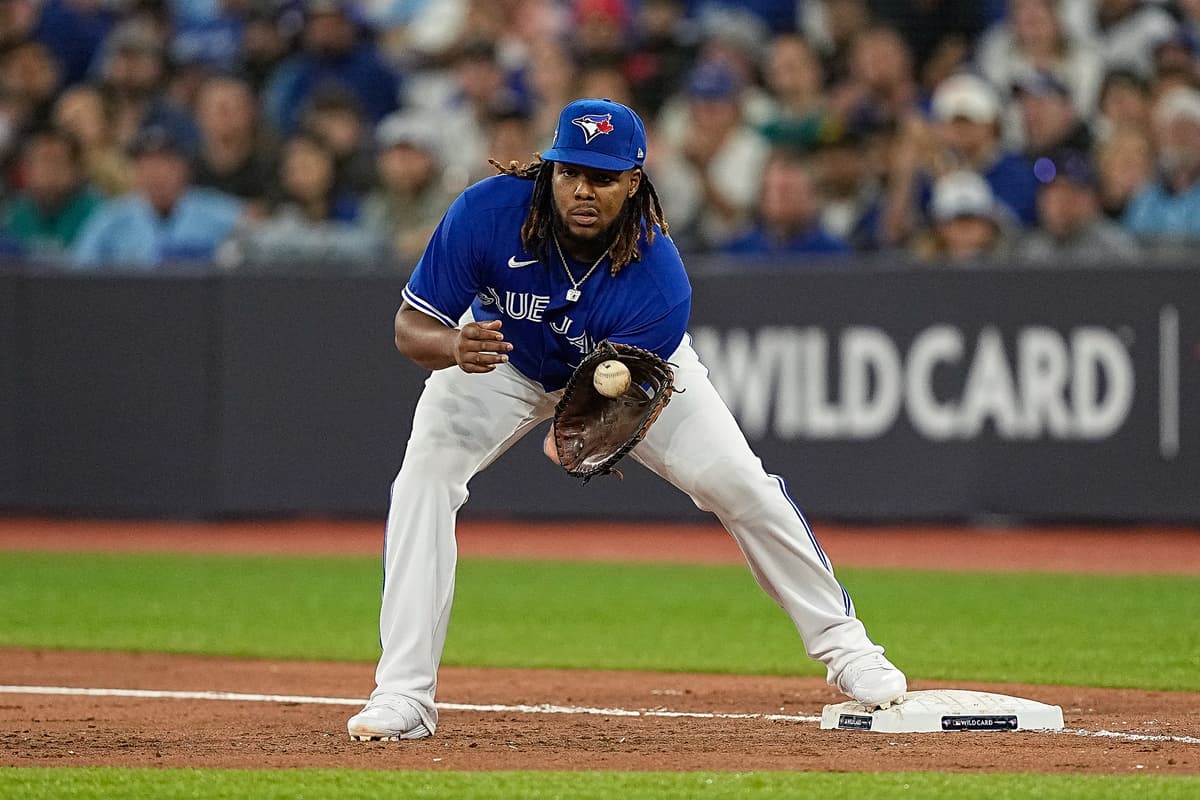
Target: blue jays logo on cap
593 125
599 133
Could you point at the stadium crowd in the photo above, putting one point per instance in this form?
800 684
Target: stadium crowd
149 134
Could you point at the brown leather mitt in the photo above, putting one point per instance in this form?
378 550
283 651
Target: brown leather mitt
591 432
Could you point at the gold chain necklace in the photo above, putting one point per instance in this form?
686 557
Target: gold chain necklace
573 293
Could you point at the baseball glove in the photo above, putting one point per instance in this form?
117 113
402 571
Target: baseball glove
592 432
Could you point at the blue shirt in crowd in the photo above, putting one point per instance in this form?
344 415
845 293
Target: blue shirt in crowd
1011 180
1014 184
362 72
127 232
1154 211
759 241
74 33
476 260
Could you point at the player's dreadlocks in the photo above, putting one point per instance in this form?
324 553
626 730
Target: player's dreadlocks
537 230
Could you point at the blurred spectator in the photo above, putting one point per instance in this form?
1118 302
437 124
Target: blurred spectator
1126 163
335 51
848 178
48 214
550 79
1126 32
213 38
396 23
184 79
313 225
1074 230
967 113
335 117
601 30
775 16
18 19
236 154
717 159
880 89
1049 117
1033 40
513 26
432 30
479 86
796 85
1176 55
968 228
73 30
1169 208
663 53
788 219
133 72
308 182
11 128
412 196
737 38
156 16
1189 12
266 39
27 81
510 138
604 80
165 220
831 27
90 115
939 33
1124 102
30 74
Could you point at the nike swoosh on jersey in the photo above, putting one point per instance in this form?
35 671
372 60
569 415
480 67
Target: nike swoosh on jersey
514 264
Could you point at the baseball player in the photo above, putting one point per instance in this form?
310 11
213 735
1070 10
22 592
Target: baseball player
526 272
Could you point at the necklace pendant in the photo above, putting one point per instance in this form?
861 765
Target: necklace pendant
572 295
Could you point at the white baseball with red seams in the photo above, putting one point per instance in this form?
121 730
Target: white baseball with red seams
611 378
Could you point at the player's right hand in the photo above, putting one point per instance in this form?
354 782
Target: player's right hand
480 346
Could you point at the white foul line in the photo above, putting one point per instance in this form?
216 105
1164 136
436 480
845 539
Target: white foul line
545 708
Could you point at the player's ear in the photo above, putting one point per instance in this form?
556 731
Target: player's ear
635 180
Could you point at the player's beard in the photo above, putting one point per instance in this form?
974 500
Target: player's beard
590 247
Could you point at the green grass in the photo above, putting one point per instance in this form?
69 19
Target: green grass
167 784
1077 630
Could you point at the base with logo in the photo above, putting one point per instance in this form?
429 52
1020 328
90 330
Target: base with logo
945 710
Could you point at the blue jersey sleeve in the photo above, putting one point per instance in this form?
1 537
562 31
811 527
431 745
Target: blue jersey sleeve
658 308
660 335
446 278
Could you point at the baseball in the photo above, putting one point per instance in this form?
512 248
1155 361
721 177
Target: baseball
611 378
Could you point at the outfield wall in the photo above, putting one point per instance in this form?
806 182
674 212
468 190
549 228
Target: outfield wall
879 395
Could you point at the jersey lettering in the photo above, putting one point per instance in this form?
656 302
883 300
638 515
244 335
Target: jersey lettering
523 305
516 305
582 342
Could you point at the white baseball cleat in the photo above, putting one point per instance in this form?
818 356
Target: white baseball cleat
872 680
387 718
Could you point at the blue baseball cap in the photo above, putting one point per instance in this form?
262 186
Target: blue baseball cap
713 80
599 133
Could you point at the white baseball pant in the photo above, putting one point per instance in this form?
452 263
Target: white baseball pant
463 422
